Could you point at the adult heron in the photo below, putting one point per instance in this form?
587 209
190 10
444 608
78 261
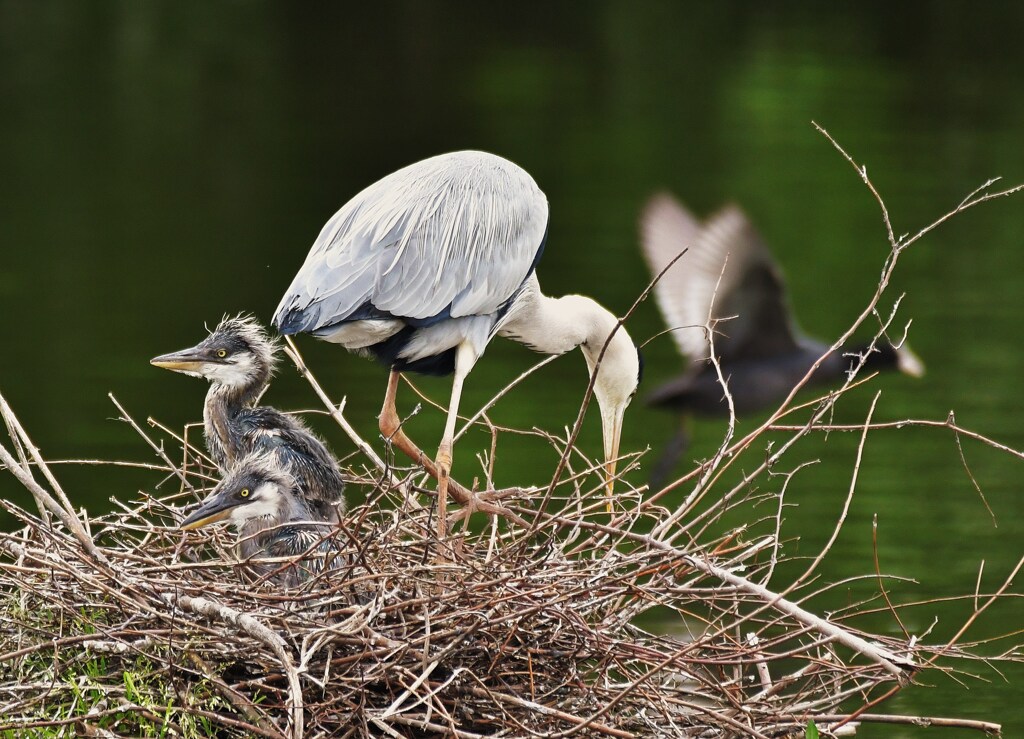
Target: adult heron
424 267
238 359
728 272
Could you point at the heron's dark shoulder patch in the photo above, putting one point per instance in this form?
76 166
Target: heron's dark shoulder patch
388 353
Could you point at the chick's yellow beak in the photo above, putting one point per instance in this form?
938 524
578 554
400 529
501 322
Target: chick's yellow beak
213 509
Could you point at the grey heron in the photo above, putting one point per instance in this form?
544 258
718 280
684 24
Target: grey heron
238 359
728 271
263 502
424 267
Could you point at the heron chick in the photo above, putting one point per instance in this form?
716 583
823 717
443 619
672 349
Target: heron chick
424 267
262 500
238 358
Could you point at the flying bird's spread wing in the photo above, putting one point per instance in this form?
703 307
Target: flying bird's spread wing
454 235
666 229
728 273
751 292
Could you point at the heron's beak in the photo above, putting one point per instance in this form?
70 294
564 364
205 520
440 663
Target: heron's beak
187 360
909 363
215 508
611 427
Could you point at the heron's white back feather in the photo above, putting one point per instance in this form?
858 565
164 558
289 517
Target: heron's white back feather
361 334
472 331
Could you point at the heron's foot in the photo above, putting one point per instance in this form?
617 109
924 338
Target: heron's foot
490 502
512 493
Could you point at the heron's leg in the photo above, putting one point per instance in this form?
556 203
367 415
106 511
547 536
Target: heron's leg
465 358
391 427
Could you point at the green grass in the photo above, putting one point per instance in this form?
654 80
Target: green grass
132 694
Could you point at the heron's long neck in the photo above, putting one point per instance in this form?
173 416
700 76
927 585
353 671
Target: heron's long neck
556 325
223 402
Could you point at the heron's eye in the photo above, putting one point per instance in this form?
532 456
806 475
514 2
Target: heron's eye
222 353
243 493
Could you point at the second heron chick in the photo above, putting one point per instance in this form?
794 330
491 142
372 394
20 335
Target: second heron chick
263 503
238 358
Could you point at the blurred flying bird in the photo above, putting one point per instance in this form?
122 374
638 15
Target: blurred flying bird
424 267
728 275
238 358
263 502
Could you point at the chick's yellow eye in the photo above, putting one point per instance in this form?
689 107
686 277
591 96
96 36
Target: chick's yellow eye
222 353
243 493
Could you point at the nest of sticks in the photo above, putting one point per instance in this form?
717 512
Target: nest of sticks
123 625
528 623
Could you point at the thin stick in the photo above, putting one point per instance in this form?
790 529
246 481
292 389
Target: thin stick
33 450
923 721
158 448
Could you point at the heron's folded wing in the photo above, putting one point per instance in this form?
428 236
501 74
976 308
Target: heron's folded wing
452 235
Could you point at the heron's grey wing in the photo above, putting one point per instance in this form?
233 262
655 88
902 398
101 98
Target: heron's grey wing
739 280
452 235
335 280
666 229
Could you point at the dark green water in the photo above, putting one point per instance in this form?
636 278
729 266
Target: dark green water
165 163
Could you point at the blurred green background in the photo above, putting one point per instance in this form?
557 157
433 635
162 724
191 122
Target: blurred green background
164 163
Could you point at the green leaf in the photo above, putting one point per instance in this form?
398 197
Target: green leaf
812 731
131 693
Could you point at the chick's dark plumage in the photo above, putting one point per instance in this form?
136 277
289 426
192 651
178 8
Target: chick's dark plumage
263 501
238 359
